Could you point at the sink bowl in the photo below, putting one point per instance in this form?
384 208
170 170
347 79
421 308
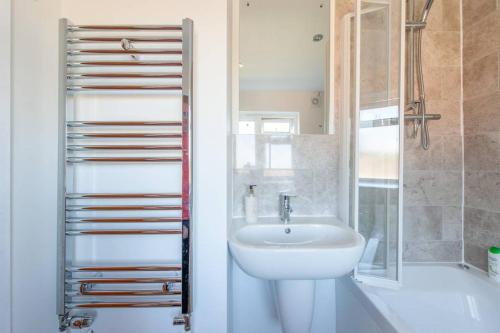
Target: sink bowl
296 251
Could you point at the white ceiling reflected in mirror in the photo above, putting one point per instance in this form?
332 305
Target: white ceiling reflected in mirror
284 67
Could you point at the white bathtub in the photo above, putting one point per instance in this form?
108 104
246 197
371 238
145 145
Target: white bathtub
433 299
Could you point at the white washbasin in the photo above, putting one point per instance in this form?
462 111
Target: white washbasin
296 251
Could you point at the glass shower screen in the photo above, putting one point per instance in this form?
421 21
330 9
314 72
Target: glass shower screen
377 140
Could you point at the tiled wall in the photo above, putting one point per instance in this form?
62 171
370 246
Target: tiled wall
481 128
433 178
305 165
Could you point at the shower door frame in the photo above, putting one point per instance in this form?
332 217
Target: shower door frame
369 279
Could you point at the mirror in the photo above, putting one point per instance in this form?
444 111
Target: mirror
284 66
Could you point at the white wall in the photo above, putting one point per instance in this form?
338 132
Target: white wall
5 115
35 153
34 167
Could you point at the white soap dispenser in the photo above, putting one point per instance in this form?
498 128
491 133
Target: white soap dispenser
251 205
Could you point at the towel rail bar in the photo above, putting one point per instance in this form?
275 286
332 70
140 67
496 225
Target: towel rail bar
125 220
81 76
121 51
123 232
73 208
125 27
150 63
124 135
148 268
119 87
123 147
122 195
101 305
136 39
122 123
124 280
124 159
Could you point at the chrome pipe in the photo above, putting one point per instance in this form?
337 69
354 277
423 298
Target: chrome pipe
147 280
149 268
418 106
111 293
124 159
150 63
122 195
134 39
124 27
123 135
123 147
187 167
61 174
415 25
118 51
123 232
126 220
424 134
426 10
75 208
84 291
122 123
102 305
119 87
81 76
419 117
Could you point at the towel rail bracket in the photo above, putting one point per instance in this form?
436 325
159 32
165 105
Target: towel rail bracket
183 319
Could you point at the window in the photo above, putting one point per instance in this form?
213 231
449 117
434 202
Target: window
268 122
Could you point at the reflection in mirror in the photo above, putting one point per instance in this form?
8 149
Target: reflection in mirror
284 67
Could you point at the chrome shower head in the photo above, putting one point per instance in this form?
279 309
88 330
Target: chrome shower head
426 10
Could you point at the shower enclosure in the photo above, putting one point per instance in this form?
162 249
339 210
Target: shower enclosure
373 108
382 86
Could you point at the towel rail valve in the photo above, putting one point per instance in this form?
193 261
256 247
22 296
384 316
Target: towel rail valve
77 321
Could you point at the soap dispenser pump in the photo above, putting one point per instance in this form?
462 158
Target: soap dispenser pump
251 205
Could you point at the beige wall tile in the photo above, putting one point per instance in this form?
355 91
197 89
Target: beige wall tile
452 215
482 38
451 118
482 151
482 190
481 77
482 114
415 158
433 77
432 188
423 223
442 48
474 10
452 232
445 153
451 14
451 83
481 231
476 255
452 152
436 251
311 173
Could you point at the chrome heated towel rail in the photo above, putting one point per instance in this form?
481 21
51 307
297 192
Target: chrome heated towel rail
123 60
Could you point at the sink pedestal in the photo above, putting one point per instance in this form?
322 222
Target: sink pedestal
295 300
